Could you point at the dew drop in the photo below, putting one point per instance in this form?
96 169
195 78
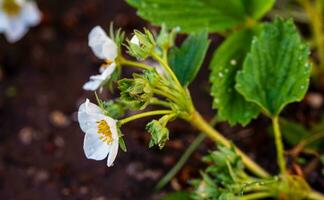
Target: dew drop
233 62
220 74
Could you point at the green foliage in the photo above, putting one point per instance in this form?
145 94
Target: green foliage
121 141
227 60
114 109
136 92
165 39
187 60
256 8
159 133
276 71
226 179
294 133
177 196
145 47
194 15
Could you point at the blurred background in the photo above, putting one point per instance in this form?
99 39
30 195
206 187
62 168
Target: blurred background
41 144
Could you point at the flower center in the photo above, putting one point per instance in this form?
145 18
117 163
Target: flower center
106 64
104 131
11 7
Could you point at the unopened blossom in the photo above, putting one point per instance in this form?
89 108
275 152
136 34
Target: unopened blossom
105 49
101 133
135 40
16 16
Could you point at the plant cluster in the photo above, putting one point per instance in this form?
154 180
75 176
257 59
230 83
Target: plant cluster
260 68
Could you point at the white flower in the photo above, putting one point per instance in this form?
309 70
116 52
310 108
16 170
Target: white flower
16 16
101 134
106 49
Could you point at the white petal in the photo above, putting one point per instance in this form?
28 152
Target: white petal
113 153
98 80
88 115
102 46
115 144
135 40
16 29
94 148
30 13
92 85
3 21
108 71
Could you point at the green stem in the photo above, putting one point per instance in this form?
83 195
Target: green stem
185 156
167 68
203 126
279 145
134 64
158 102
314 195
145 114
259 195
164 94
194 145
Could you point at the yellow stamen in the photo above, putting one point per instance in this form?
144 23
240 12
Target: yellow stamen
106 64
104 131
11 7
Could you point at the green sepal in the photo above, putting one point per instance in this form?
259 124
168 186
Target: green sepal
121 141
159 132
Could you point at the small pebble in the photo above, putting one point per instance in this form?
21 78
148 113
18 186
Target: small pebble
315 100
41 176
99 198
59 141
26 135
58 119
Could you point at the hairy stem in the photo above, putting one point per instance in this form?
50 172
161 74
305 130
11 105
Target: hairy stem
259 195
279 145
134 64
145 114
167 68
203 126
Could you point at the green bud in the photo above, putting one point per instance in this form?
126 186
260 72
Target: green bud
135 92
114 109
166 39
159 133
142 44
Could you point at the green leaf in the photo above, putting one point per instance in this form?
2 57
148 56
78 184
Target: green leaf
293 132
177 196
226 62
276 71
187 60
256 8
193 15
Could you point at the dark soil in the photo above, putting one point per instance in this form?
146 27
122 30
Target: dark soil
41 154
